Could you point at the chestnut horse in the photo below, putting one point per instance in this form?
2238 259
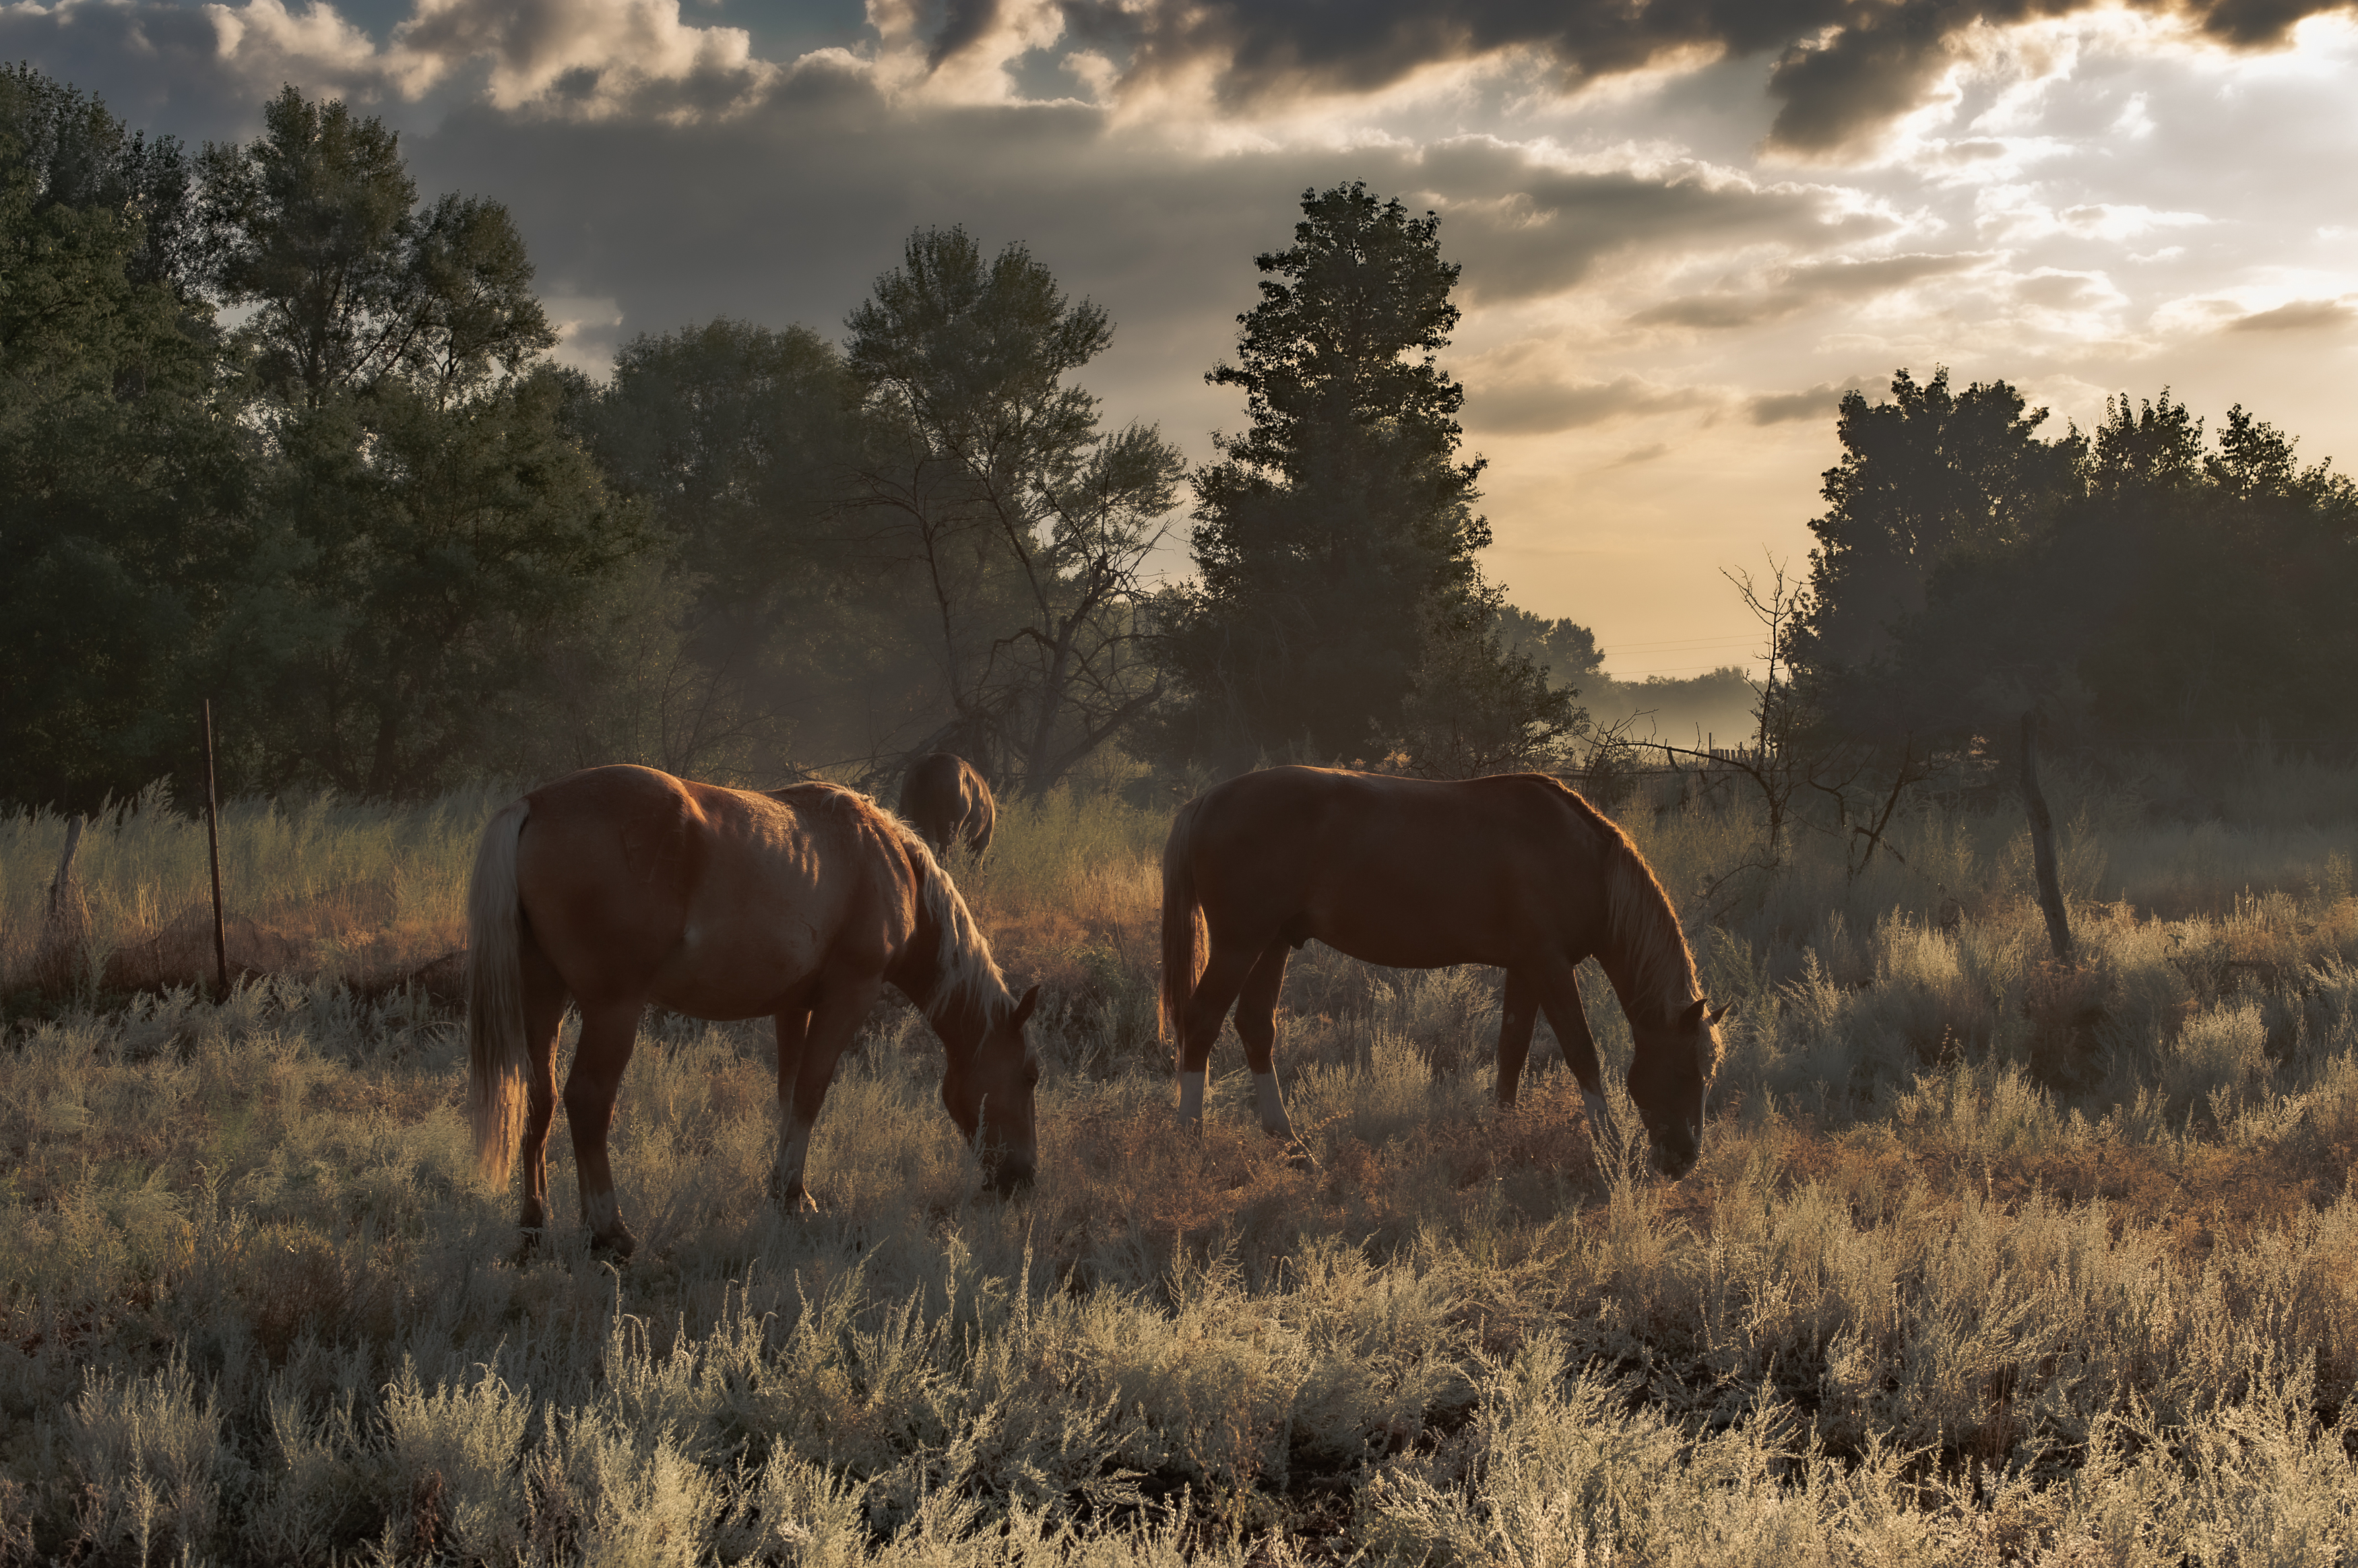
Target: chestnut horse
1515 870
945 799
621 886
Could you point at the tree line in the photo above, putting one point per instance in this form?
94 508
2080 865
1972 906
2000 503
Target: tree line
2137 585
278 429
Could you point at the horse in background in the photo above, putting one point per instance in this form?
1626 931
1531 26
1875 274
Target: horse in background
1515 870
943 797
621 886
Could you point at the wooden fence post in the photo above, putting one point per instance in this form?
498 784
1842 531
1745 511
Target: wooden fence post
62 885
212 846
2042 845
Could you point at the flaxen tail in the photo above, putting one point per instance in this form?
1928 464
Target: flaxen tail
496 1052
1183 921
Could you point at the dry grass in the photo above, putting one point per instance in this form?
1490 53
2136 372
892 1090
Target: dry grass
1986 1260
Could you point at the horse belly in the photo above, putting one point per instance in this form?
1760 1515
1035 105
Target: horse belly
747 952
1404 927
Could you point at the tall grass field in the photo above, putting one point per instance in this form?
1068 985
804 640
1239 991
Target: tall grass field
1988 1260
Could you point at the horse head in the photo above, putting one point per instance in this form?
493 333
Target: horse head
988 1092
1670 1079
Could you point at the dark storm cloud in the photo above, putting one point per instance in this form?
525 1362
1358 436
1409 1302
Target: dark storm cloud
1800 288
1844 68
803 198
1524 228
159 65
1518 408
966 22
2300 316
1780 407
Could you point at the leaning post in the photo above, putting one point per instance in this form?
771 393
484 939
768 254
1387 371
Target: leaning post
212 846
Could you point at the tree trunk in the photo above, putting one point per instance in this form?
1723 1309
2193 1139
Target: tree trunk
2043 846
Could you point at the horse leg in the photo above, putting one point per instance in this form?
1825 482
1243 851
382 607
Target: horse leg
1256 1027
608 1033
793 1035
1519 1013
544 1016
1559 995
843 1003
1199 1026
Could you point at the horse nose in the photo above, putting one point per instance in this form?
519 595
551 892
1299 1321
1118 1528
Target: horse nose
1674 1162
1011 1174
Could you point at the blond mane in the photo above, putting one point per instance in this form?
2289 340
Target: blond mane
964 970
1642 919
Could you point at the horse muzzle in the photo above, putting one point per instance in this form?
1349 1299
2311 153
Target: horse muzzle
1008 1173
1673 1158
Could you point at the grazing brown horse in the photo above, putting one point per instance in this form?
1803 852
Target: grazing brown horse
1515 870
943 798
621 886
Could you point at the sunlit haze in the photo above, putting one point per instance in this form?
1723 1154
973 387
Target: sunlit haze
1683 235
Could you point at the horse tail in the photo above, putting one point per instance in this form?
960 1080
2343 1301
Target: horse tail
1183 920
496 1049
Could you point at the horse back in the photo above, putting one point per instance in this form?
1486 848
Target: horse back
718 903
1412 872
945 799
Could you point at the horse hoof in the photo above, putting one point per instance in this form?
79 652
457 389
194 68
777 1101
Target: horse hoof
615 1249
528 1244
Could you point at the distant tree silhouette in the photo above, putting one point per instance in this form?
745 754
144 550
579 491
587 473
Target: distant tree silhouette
2134 584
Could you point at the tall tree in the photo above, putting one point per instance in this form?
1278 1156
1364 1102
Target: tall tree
1928 477
1026 526
430 564
1563 648
1335 536
2176 593
784 643
124 460
316 222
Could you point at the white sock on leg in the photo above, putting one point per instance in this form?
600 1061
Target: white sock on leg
1270 1105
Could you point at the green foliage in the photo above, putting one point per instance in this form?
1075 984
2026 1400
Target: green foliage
1478 706
316 222
430 558
125 470
2177 594
990 487
776 637
1336 537
1564 649
1928 477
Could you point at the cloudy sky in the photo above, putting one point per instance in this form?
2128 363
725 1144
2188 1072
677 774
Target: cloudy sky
1686 225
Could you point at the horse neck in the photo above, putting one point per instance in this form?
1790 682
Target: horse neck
1651 979
962 1020
933 974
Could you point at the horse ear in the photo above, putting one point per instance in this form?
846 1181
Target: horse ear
1024 1008
1693 1017
1719 1013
